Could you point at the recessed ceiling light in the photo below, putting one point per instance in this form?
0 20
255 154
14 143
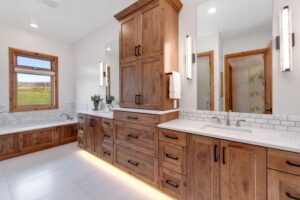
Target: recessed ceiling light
212 10
34 25
108 49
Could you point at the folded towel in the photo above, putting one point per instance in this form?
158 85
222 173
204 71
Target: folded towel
175 87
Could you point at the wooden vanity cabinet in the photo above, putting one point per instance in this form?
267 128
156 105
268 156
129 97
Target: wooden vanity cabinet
67 133
225 170
148 50
90 133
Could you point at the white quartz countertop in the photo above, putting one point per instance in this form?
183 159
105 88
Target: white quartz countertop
153 112
103 114
34 126
283 140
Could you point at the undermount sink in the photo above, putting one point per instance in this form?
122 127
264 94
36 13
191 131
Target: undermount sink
229 128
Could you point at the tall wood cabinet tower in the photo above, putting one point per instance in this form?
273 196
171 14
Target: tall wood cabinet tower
148 51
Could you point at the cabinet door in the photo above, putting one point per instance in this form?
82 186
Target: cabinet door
90 133
68 133
128 85
243 172
128 39
152 83
283 186
98 136
150 31
82 131
8 145
203 168
35 140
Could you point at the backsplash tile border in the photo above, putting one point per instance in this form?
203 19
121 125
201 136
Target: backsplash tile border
276 122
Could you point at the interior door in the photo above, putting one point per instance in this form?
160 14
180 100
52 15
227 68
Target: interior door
128 38
243 172
150 31
203 170
129 84
151 79
268 80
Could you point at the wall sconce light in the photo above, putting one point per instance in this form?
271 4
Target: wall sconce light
286 41
101 74
190 57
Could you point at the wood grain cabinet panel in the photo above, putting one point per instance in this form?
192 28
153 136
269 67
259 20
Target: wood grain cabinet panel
172 183
173 137
8 145
150 29
129 38
98 136
143 139
34 140
284 161
107 152
172 157
203 168
68 133
283 186
90 133
243 172
108 131
138 164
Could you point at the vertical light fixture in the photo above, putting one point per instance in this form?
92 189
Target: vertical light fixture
286 41
101 73
190 57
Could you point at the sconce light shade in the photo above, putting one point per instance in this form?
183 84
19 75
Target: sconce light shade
286 40
189 57
101 73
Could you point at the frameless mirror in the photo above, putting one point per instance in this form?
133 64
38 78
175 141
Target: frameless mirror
112 69
234 62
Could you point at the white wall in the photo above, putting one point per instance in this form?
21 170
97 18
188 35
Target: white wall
88 52
22 39
286 95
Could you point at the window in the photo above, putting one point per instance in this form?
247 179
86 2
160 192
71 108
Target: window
33 81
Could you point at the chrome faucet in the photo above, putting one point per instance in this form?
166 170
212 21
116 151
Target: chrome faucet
238 122
67 115
227 119
217 119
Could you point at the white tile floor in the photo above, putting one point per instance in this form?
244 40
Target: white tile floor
68 173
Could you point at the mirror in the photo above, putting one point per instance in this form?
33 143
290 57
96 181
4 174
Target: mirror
234 56
112 69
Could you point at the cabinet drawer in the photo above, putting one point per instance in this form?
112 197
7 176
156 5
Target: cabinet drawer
108 130
107 152
284 161
143 139
137 118
172 157
172 183
138 164
173 137
283 186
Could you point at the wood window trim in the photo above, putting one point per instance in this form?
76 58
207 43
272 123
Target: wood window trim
13 53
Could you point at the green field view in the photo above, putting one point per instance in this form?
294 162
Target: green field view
33 95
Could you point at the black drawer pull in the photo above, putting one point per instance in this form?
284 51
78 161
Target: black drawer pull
134 118
171 156
292 164
133 163
138 50
173 137
135 51
169 182
107 136
291 196
107 153
224 160
133 136
215 153
107 123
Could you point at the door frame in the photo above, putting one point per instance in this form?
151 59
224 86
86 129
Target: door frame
211 56
228 76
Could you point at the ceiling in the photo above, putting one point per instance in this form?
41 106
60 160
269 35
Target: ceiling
234 17
69 21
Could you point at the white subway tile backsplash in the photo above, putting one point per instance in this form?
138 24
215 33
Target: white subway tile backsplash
276 122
